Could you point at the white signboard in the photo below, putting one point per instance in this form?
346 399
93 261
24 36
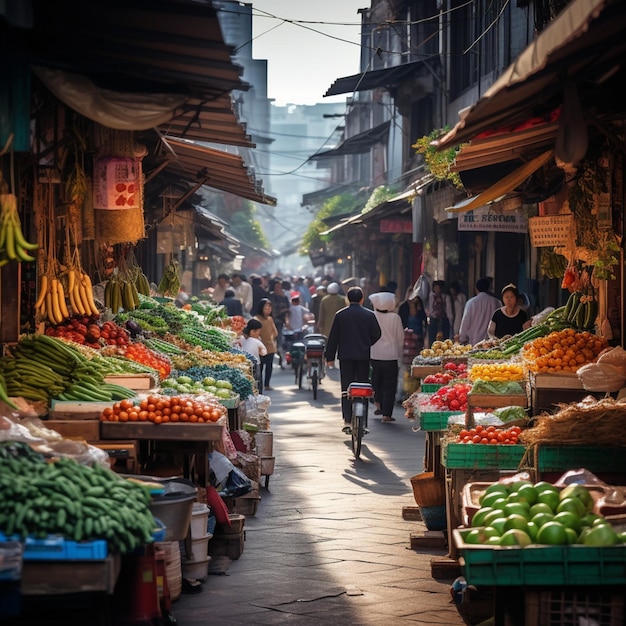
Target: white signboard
486 219
551 230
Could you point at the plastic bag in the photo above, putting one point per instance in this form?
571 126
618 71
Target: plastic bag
229 480
615 357
601 377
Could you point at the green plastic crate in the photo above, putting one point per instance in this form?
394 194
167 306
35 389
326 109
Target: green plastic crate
430 387
436 420
541 565
482 456
594 458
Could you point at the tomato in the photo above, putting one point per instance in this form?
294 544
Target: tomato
476 439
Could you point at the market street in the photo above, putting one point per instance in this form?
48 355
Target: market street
328 543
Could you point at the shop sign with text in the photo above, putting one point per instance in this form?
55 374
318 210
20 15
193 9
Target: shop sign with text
484 219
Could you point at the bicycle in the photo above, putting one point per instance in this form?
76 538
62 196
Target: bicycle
314 356
359 394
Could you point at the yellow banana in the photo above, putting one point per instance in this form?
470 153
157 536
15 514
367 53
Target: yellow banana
80 309
56 307
20 240
9 243
61 298
43 289
89 295
71 280
49 309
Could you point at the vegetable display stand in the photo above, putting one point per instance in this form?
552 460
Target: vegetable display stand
491 401
421 371
195 441
550 390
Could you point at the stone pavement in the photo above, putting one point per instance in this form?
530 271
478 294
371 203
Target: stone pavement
328 543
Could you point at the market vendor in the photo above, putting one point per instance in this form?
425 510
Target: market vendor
509 319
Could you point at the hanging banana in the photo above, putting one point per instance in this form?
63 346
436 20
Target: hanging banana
13 244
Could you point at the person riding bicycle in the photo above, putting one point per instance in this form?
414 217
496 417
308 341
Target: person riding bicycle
353 332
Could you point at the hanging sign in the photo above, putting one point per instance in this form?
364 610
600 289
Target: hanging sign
116 183
396 226
486 219
551 230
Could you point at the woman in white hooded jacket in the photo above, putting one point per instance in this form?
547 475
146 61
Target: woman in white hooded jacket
386 354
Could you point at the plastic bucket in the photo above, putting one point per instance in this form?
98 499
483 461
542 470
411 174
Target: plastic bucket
199 520
196 570
264 443
199 548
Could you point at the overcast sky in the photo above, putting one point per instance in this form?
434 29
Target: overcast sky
305 59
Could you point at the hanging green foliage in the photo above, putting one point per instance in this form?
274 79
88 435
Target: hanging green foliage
438 162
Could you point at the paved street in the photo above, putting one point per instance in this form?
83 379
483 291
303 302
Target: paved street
328 543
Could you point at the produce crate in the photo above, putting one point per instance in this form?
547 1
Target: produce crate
430 387
230 403
137 382
482 456
87 430
421 371
555 607
496 400
436 420
540 565
10 559
471 493
57 548
594 458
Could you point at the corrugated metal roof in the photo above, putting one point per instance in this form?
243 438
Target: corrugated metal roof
213 168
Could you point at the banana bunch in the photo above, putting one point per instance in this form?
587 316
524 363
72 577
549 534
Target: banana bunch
121 293
80 291
581 310
142 284
551 264
170 281
13 244
50 304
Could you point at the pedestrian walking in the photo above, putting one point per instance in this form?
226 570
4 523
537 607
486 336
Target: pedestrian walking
232 304
509 319
268 336
280 309
459 300
316 300
386 354
477 314
332 302
250 342
440 313
354 331
258 291
297 317
243 291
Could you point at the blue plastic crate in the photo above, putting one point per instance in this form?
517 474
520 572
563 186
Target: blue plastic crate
57 548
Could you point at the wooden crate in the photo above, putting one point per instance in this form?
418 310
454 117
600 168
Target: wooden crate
88 430
132 381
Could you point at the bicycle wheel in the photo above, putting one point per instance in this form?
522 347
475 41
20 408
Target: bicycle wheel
314 382
357 430
300 375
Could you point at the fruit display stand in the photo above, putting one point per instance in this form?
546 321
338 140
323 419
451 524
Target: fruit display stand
550 390
492 401
421 371
195 441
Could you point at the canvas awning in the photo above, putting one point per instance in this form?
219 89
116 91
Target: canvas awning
387 77
358 144
585 43
504 186
214 168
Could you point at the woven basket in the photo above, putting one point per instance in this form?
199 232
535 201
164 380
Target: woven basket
428 490
434 517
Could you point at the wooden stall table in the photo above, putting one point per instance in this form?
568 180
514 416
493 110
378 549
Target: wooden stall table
194 440
491 401
549 390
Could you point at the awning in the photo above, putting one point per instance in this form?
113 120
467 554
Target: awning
358 144
214 168
321 195
395 205
503 186
387 77
170 47
214 229
584 43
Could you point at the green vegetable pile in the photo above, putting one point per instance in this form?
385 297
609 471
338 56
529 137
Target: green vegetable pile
41 498
498 387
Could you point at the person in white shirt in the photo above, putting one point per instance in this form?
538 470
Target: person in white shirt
297 317
243 291
477 314
386 354
251 343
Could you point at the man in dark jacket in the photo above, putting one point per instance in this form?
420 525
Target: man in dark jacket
355 329
232 305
